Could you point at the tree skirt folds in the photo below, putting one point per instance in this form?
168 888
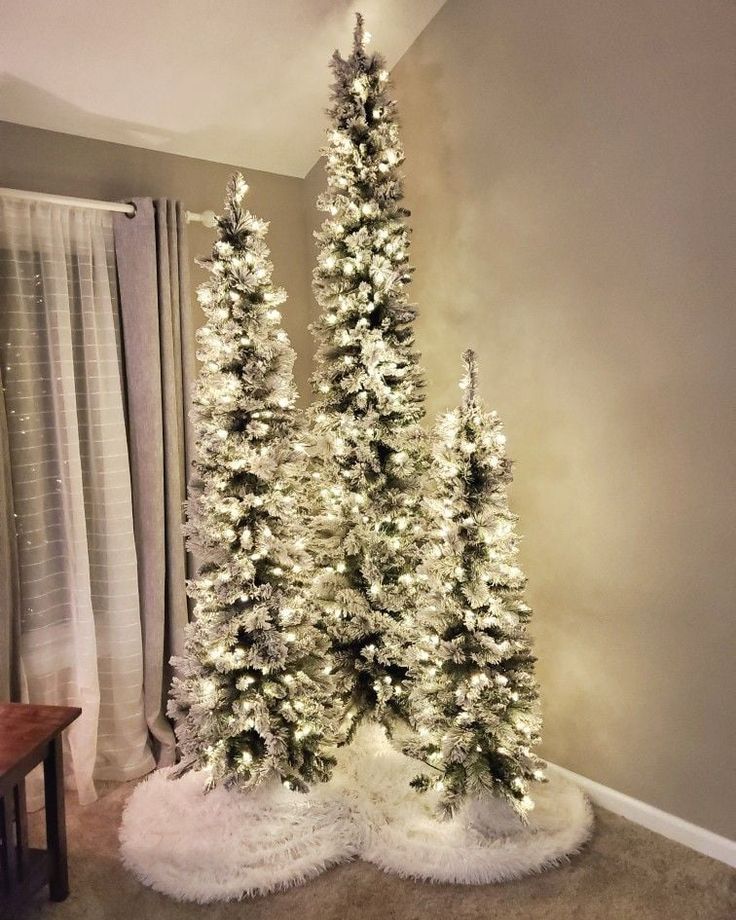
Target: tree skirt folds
227 845
485 842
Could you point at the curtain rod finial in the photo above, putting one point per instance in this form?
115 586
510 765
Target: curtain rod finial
208 218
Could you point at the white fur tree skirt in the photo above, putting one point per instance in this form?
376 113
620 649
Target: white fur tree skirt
226 844
483 843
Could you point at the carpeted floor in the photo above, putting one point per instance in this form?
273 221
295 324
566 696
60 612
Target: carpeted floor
625 873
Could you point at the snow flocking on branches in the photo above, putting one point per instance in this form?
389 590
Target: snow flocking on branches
474 697
252 695
368 449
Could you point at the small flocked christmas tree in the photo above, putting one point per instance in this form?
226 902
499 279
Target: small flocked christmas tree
474 696
251 698
368 403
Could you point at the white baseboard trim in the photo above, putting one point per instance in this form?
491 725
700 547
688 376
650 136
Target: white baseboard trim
661 822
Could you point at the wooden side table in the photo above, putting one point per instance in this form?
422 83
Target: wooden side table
30 735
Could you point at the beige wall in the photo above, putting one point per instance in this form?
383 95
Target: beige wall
570 172
64 164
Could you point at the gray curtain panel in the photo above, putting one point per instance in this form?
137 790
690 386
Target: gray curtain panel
9 573
158 343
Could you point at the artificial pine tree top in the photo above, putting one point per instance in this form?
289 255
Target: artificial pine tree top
365 362
474 698
368 394
251 697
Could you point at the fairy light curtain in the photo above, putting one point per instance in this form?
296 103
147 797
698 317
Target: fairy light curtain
66 457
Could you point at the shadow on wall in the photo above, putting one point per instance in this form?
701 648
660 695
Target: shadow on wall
18 97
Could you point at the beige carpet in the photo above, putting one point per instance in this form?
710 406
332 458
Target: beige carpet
625 873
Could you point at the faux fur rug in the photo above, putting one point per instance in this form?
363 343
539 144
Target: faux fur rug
227 845
483 843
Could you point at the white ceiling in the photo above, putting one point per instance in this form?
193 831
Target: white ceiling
243 82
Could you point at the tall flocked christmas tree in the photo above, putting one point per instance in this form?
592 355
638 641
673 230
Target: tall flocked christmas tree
474 696
344 574
251 698
368 396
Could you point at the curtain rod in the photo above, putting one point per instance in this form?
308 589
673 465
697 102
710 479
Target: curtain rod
208 218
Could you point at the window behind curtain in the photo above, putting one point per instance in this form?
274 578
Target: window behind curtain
61 369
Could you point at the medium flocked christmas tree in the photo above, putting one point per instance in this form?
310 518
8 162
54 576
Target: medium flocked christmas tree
474 696
366 508
251 699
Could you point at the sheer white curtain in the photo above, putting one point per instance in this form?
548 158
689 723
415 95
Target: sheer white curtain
61 370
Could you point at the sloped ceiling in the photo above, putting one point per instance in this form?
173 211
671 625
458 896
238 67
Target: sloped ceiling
235 81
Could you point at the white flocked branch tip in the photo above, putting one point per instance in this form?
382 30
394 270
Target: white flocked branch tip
469 382
361 36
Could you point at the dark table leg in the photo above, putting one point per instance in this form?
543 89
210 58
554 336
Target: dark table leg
21 828
53 775
8 853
